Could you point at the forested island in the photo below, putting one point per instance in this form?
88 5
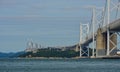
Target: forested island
52 53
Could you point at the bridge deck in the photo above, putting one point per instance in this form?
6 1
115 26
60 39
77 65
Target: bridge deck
113 26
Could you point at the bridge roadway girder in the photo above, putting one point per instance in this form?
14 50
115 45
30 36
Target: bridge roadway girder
113 26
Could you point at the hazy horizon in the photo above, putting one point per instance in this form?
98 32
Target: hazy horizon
46 22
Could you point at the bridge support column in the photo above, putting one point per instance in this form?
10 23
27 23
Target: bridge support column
100 43
77 48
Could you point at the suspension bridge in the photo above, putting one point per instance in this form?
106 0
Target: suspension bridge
102 34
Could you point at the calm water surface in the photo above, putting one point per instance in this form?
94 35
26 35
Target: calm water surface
60 65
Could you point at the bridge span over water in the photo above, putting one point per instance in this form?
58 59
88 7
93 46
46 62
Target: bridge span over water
102 34
113 26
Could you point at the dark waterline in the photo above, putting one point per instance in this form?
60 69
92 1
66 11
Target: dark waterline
59 65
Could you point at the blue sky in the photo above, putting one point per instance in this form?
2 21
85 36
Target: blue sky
47 22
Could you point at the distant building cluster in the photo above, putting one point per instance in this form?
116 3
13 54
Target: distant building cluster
32 47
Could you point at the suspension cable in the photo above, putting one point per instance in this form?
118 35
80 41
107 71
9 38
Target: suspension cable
104 14
117 9
91 23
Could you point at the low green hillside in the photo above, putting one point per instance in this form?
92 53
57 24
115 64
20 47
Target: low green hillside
52 53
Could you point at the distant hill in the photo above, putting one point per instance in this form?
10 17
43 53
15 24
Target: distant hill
54 52
51 53
3 55
10 55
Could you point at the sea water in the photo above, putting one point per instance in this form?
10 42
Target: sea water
59 65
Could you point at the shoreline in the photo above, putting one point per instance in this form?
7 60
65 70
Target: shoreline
102 57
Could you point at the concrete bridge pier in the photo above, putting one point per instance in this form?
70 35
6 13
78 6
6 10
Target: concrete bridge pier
101 44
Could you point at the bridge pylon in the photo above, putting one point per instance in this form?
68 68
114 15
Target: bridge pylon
111 35
84 30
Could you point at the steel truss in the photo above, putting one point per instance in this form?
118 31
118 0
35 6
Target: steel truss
109 10
84 30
